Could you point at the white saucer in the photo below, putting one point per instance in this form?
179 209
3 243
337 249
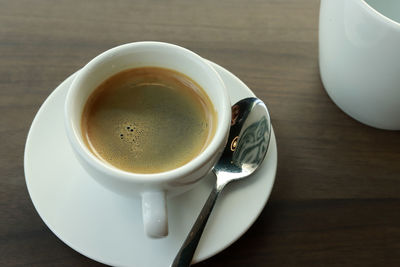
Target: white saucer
107 227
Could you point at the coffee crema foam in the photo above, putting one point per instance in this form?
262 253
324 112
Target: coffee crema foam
148 120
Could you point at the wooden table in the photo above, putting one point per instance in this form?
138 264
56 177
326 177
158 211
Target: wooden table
336 197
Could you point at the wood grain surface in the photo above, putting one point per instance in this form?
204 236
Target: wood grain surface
336 197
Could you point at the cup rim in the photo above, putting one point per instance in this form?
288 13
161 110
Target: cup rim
383 18
200 160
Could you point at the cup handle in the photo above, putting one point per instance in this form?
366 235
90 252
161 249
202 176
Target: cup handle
154 209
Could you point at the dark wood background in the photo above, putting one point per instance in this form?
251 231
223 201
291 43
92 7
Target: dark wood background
336 197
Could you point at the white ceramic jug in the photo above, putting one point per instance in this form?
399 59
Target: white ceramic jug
359 57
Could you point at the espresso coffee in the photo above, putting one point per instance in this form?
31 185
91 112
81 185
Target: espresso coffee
148 120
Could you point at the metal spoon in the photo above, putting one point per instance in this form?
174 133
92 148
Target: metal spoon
246 148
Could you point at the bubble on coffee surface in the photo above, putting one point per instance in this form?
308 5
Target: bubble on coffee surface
131 134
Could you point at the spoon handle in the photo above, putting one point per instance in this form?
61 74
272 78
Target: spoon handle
185 254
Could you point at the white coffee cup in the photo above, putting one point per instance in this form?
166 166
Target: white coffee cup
153 189
359 58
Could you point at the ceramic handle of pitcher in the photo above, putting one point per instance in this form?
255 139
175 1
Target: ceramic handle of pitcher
154 209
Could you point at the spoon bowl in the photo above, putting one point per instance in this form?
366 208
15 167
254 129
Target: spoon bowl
247 143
